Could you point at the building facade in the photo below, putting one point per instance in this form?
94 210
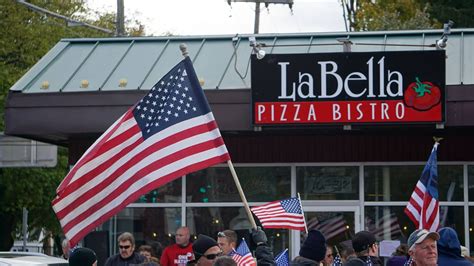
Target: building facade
350 177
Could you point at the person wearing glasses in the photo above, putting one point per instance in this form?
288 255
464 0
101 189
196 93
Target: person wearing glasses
366 248
179 253
227 241
206 251
127 254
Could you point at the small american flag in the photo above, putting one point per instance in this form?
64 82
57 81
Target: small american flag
423 207
368 262
167 134
285 213
282 259
337 261
242 255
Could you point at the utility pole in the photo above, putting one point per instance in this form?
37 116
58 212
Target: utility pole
120 23
257 8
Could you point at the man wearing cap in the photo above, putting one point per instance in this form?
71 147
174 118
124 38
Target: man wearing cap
83 257
449 248
366 248
313 250
206 250
422 247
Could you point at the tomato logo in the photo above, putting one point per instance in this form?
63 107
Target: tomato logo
422 96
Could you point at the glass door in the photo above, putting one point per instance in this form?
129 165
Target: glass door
337 223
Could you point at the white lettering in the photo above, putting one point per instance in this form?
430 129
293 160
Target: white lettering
324 77
283 111
296 117
308 83
336 112
400 110
261 110
373 109
371 77
382 77
359 76
359 111
384 111
398 81
283 94
311 113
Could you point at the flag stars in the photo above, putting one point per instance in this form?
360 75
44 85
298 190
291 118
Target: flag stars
166 119
142 116
190 99
181 101
154 103
174 99
176 92
171 105
176 114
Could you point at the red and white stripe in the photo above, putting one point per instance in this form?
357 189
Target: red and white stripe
272 215
246 260
422 207
121 165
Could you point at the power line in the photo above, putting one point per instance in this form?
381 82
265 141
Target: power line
70 21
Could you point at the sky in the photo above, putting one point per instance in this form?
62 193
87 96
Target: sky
215 17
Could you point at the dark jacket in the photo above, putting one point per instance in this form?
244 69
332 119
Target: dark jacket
304 262
449 248
354 262
264 255
116 260
397 261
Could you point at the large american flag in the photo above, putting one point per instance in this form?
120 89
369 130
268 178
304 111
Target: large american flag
285 213
423 207
242 255
167 134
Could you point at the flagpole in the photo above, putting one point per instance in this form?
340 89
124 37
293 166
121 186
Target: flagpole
241 193
302 211
184 50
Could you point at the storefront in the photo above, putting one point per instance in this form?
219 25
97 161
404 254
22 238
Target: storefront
351 176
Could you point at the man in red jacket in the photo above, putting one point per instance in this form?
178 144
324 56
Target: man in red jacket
179 253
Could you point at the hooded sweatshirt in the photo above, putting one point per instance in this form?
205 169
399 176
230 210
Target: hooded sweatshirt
449 248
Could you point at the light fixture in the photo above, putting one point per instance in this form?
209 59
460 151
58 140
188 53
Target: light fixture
45 85
257 48
84 83
123 83
441 43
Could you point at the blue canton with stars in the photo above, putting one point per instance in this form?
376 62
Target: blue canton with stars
175 98
292 205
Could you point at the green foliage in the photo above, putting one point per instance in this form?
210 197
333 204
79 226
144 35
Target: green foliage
25 36
392 15
458 11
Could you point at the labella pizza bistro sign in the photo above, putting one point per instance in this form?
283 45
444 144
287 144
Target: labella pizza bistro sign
349 88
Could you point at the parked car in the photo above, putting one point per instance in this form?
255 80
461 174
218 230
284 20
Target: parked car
29 258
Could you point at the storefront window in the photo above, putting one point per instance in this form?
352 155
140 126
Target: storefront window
391 223
211 220
328 182
169 193
396 183
470 174
260 184
150 226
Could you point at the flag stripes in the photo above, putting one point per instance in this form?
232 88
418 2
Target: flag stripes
281 214
145 148
423 206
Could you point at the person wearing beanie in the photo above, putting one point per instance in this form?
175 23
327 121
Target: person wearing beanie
366 248
83 257
449 248
206 250
312 251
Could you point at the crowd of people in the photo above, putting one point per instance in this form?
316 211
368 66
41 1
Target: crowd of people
423 248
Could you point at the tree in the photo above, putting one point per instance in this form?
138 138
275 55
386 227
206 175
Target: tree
368 15
25 36
458 11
